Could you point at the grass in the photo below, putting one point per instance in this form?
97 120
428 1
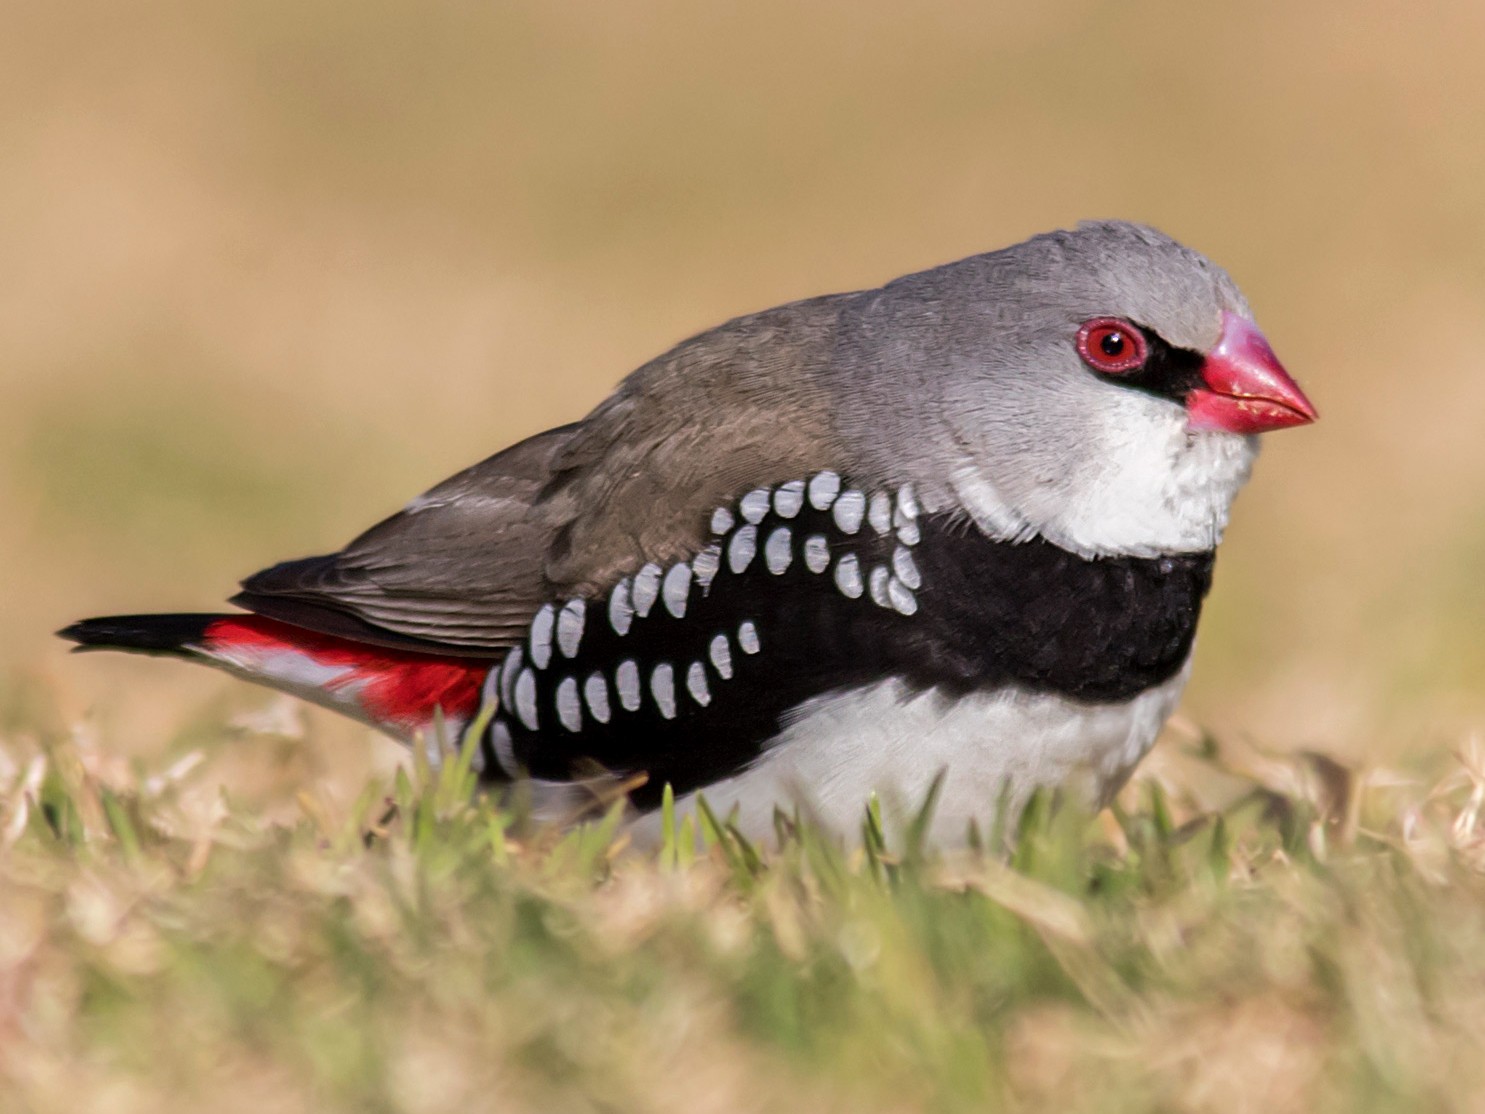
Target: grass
1240 932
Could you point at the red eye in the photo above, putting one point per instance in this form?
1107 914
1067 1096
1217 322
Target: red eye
1111 346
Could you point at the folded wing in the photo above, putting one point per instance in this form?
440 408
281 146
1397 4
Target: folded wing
463 568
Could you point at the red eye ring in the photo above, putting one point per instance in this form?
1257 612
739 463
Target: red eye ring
1111 346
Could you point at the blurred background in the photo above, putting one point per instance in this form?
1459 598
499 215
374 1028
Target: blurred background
270 268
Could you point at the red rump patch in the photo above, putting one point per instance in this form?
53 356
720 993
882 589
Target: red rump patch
393 686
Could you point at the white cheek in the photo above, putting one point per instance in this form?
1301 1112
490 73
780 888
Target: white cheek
1135 483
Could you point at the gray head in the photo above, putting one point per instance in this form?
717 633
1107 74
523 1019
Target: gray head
1099 387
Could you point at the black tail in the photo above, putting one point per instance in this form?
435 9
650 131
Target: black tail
141 634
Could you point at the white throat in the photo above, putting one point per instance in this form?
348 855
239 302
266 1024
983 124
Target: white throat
1143 490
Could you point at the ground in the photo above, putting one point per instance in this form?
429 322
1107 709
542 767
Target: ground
1240 932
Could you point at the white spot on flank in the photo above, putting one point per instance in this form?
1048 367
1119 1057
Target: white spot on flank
880 513
907 506
776 551
646 589
902 601
878 586
696 684
788 500
848 511
541 636
816 553
823 490
504 747
626 679
721 655
722 520
747 637
570 627
848 576
620 610
705 564
526 699
595 692
905 568
677 588
569 707
754 505
908 533
662 688
508 670
741 548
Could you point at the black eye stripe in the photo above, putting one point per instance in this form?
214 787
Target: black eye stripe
1168 372
1131 355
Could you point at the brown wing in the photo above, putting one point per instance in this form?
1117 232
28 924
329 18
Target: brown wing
732 409
460 569
568 512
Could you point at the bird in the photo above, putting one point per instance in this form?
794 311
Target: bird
947 535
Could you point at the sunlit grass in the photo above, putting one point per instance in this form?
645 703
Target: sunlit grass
1241 932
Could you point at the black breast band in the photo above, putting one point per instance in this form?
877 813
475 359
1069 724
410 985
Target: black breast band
685 673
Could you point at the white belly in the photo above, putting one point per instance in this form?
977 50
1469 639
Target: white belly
840 748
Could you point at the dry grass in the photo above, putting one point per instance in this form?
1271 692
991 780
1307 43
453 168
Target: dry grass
1242 932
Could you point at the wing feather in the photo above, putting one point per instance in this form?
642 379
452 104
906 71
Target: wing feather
566 513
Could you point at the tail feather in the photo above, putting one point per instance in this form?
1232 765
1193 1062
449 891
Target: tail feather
399 691
143 634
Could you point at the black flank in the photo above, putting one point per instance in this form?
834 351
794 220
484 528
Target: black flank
989 614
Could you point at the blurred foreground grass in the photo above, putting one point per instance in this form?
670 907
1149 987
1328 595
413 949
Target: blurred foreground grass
1241 932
